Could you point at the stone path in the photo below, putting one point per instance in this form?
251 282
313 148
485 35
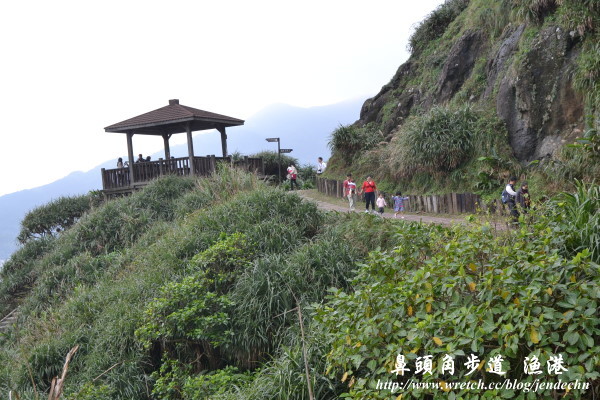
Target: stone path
446 219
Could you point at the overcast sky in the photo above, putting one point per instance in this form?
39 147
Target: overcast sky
70 68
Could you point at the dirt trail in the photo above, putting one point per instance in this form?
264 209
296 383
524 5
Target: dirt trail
447 219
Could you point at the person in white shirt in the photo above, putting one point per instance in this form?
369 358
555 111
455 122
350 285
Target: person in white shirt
512 204
320 166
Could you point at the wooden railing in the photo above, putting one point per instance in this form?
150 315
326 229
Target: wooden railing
143 172
451 203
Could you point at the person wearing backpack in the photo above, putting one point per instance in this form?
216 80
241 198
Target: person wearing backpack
509 196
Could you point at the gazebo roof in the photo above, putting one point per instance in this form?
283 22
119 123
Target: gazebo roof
173 119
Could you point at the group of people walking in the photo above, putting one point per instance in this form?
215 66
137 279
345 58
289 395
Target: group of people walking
369 188
517 200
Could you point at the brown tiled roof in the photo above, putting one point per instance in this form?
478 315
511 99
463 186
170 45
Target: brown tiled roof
173 119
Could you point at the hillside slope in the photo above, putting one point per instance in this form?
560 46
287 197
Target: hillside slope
303 129
224 288
528 73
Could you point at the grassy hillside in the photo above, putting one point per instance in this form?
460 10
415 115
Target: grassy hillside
193 290
493 88
202 273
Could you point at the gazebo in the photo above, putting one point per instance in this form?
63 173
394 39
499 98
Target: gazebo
166 121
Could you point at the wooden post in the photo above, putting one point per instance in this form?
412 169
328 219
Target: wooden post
166 138
130 156
190 143
160 167
104 179
213 164
221 129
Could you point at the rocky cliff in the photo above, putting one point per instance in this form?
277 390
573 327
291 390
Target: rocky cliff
532 90
500 56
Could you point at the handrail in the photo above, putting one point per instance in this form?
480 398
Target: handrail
143 172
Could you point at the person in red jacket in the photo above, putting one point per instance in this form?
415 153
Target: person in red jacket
368 188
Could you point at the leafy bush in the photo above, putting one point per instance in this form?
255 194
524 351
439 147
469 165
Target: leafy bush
177 381
513 296
53 218
187 311
435 24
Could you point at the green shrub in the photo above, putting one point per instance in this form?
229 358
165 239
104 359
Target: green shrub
436 142
481 294
187 311
435 24
18 273
350 140
533 10
586 78
53 218
580 15
177 381
578 220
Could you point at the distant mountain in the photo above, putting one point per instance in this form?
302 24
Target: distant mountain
306 130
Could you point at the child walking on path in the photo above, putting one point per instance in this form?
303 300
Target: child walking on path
398 204
381 204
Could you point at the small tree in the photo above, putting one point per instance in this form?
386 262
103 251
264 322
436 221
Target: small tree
54 217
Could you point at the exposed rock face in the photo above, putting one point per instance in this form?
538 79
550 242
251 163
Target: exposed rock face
459 65
530 88
536 99
497 65
372 109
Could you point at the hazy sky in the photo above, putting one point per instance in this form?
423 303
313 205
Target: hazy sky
70 68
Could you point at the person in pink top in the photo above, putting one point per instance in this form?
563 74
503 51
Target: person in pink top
350 191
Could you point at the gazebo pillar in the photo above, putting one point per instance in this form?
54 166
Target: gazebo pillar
190 143
223 140
166 138
130 156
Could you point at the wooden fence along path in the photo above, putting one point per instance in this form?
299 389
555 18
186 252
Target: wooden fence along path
451 203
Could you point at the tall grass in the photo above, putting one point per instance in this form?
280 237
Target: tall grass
435 24
580 220
435 143
349 139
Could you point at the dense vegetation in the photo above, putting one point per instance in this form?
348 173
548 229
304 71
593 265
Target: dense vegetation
193 290
227 288
458 144
179 278
531 293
